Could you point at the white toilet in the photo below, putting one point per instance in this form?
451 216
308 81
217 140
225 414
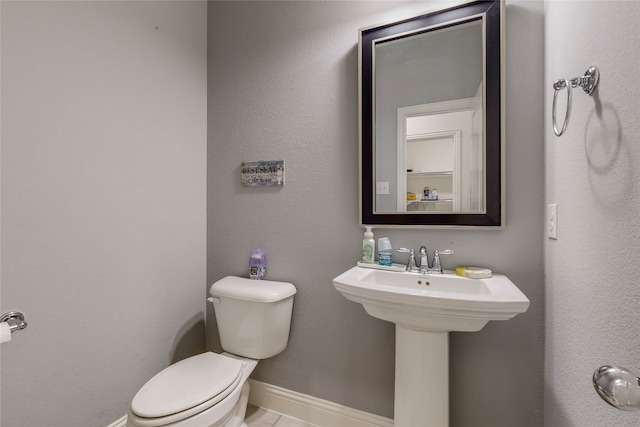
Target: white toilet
211 389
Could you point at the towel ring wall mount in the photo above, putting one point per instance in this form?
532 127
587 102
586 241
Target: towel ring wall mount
588 82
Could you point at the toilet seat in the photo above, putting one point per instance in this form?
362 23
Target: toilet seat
186 388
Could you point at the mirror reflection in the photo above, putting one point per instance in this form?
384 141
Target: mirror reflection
428 124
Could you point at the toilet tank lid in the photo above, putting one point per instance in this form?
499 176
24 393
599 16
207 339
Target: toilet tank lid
252 290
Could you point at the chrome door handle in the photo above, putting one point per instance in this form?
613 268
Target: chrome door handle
618 386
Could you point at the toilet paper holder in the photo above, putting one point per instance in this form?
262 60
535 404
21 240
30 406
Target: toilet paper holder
15 319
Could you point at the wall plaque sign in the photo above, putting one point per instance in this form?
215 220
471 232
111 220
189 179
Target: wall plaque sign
263 173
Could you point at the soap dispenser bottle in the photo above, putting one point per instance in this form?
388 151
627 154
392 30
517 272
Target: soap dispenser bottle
368 246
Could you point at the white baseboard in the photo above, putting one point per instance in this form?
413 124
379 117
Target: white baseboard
303 407
122 422
311 409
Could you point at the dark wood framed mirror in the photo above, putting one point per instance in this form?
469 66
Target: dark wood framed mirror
431 117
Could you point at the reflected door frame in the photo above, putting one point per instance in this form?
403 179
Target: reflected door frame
403 113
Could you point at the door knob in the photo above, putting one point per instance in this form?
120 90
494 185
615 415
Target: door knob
618 386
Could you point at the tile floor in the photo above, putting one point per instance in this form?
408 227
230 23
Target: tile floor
260 417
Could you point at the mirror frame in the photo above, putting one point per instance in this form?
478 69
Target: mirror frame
494 216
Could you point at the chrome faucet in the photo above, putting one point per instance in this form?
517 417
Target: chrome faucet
424 259
424 268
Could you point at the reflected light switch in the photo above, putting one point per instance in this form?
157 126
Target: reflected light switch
382 187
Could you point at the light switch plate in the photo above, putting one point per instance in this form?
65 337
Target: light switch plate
382 187
552 221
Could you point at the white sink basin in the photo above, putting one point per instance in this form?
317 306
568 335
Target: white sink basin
432 302
425 308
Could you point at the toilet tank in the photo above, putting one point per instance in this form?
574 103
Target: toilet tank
253 316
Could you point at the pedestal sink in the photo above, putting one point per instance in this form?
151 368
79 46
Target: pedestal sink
425 308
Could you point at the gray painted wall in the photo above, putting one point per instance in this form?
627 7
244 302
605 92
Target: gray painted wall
592 291
283 84
103 202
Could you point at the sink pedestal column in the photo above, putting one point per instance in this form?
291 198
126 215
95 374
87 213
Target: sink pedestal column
422 378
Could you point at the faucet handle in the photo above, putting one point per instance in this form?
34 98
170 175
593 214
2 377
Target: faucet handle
445 251
437 267
411 264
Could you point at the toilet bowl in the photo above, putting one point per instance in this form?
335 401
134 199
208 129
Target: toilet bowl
205 390
211 389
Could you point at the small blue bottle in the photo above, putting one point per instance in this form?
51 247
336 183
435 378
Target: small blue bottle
384 251
257 264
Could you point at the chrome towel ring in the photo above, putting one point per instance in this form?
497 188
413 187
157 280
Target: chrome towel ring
557 87
588 82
